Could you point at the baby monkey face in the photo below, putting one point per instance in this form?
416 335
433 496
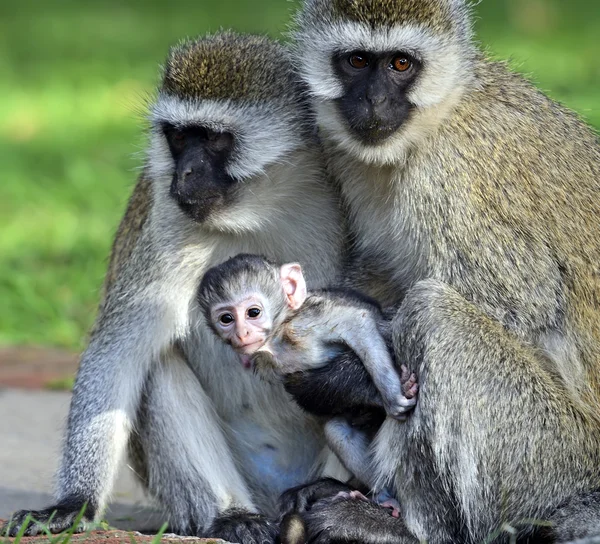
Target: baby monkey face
244 324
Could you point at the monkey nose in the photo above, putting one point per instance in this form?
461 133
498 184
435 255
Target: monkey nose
376 99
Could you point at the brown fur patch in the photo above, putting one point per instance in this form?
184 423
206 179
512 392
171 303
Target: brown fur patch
378 13
130 229
290 337
228 66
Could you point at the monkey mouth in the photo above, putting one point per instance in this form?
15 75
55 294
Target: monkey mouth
249 348
373 133
199 209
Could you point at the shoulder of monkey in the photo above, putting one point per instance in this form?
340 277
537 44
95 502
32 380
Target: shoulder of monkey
343 296
490 152
130 229
506 105
528 167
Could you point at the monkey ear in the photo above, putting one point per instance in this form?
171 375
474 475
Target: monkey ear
294 285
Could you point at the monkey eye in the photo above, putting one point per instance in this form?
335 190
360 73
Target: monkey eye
220 141
401 63
253 312
226 319
358 61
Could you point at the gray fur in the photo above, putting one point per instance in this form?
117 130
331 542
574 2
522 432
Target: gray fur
209 439
480 218
304 338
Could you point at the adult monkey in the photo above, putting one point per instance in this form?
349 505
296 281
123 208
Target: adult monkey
473 199
232 167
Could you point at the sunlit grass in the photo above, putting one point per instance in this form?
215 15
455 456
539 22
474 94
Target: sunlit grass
75 77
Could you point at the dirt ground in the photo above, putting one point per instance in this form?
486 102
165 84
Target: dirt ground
119 537
31 428
35 368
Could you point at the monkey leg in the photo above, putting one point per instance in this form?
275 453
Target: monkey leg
351 445
103 407
578 518
189 465
346 519
495 439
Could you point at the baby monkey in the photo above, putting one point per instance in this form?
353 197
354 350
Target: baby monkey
265 313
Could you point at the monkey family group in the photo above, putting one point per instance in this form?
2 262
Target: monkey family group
357 283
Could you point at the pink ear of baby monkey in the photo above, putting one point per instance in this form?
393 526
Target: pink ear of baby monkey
294 284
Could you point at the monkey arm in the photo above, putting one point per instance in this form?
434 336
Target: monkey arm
137 320
191 469
361 334
495 454
340 386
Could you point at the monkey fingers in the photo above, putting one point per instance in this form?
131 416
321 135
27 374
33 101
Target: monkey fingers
383 500
301 498
238 525
394 505
355 494
345 520
410 387
56 519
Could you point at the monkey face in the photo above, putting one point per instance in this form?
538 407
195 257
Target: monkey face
375 102
227 115
244 323
200 183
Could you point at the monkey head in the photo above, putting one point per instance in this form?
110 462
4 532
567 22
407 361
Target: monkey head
246 298
383 72
227 111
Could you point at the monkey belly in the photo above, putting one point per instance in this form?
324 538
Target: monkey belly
275 443
270 466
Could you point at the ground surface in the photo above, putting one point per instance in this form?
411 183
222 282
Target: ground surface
122 537
31 428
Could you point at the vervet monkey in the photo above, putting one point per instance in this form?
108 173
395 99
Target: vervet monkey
264 312
232 166
473 202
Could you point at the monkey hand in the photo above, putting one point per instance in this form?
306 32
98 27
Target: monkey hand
350 518
56 519
237 525
382 499
408 379
301 498
385 499
408 399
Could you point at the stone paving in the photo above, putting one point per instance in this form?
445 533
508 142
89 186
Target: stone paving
32 421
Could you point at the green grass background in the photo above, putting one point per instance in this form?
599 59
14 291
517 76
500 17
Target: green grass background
74 77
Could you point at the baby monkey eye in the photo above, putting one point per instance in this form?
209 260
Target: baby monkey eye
226 319
358 60
253 312
401 63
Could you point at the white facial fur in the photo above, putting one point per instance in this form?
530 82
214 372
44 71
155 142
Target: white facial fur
446 72
254 147
236 323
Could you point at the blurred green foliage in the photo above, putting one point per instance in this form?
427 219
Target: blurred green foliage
74 79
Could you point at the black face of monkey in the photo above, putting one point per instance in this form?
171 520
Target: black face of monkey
200 182
375 102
